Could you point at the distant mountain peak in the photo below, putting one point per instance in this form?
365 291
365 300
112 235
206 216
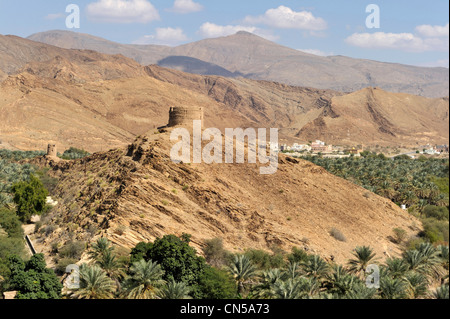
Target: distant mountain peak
245 33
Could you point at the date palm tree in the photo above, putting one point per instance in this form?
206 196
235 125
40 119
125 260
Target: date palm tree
339 281
293 288
94 284
292 270
396 267
243 271
100 248
393 288
174 290
441 293
425 260
264 290
111 266
364 256
360 291
145 280
315 267
417 285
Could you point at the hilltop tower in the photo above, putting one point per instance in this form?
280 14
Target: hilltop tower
183 116
51 150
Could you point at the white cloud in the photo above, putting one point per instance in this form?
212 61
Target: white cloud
164 36
316 52
186 6
430 31
400 41
211 30
122 11
285 18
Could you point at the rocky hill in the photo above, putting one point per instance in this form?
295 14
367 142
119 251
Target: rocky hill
256 58
137 194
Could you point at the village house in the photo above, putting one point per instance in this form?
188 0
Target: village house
320 147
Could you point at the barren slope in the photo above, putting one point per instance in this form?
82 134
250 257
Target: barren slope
138 194
380 117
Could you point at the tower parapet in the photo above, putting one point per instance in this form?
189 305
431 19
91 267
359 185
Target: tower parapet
183 116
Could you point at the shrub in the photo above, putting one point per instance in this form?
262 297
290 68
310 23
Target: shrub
33 280
214 252
264 260
437 212
37 226
74 153
63 263
435 230
47 230
337 234
414 242
10 223
72 249
297 255
399 235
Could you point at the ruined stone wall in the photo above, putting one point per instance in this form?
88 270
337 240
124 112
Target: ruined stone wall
183 116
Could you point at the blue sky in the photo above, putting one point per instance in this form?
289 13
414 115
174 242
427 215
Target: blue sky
411 31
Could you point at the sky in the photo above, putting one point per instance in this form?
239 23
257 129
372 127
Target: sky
414 32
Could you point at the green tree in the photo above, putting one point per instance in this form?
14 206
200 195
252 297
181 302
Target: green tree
441 293
145 280
178 260
315 267
108 262
94 284
392 288
174 290
417 285
243 271
100 248
141 251
214 283
363 257
30 198
33 280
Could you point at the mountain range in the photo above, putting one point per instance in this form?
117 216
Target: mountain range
97 101
250 56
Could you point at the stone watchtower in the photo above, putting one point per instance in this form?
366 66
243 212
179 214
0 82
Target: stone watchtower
183 116
51 150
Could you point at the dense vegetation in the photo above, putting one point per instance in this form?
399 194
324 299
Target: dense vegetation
420 184
170 269
23 191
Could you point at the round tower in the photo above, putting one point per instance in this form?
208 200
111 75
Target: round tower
51 150
183 116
